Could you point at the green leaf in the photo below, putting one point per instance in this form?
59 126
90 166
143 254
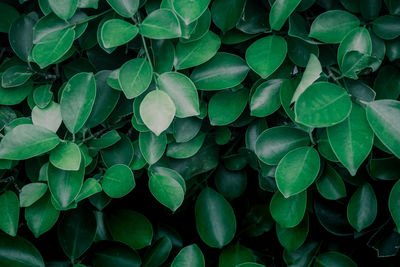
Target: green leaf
186 149
157 111
330 185
77 100
167 186
235 255
27 141
118 181
266 98
135 77
288 212
64 9
54 47
161 24
215 218
90 187
76 232
116 32
106 140
21 36
41 216
322 104
42 95
152 147
18 252
119 153
8 15
292 238
359 40
221 72
130 228
66 156
226 13
354 62
65 185
394 204
362 208
190 11
311 74
265 55
334 259
124 8
189 256
48 117
9 209
115 253
352 139
381 114
231 184
30 193
280 11
182 92
158 253
332 26
47 26
297 170
198 52
13 96
274 143
15 76
386 27
226 106
105 101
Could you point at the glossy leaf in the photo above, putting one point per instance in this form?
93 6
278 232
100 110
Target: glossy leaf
226 18
265 55
118 181
161 24
297 170
362 208
190 11
189 256
125 8
280 11
288 212
135 77
334 259
116 32
64 9
30 193
215 218
66 156
77 100
9 208
266 98
330 185
48 117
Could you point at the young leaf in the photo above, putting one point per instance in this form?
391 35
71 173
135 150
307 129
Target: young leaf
48 117
66 156
157 111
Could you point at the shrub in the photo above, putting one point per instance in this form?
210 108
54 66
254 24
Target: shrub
192 133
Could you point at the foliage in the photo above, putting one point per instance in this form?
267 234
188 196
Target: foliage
199 133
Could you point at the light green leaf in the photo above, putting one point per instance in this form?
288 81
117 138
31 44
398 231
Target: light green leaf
297 170
66 156
118 181
182 91
311 74
352 139
9 210
125 8
64 9
323 104
161 24
167 186
116 32
198 52
265 55
362 208
359 40
280 11
15 76
226 106
135 77
274 143
26 141
382 116
48 117
215 218
190 11
221 72
157 111
90 187
333 25
30 193
189 256
288 212
77 100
